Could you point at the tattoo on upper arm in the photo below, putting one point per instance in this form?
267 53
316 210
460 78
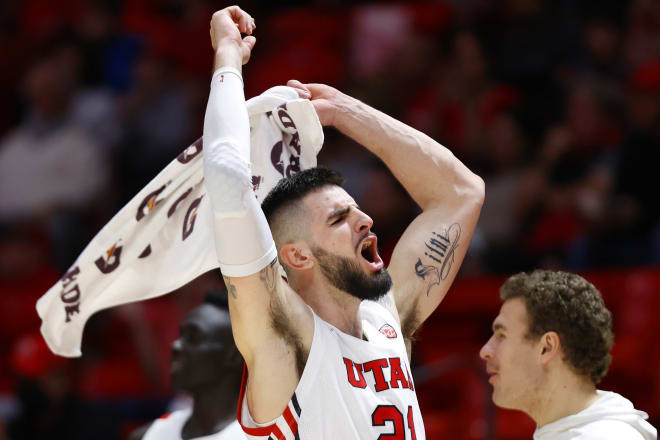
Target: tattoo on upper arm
230 287
268 275
438 256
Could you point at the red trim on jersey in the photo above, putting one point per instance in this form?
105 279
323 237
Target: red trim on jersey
263 431
278 433
164 416
290 420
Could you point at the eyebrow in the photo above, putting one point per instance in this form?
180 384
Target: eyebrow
498 326
338 213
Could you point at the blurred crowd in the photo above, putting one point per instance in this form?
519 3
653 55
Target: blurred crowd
555 103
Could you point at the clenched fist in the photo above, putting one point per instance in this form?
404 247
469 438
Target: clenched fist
227 25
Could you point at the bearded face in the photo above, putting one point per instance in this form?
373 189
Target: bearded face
347 275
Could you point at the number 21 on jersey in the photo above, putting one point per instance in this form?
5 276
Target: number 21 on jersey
390 413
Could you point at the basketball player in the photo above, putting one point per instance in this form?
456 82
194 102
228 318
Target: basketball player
550 348
207 366
327 353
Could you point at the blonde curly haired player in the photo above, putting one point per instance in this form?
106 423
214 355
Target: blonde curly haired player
550 348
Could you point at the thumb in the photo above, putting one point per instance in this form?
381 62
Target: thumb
249 41
246 47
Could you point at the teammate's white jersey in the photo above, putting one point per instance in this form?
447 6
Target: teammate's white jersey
350 388
611 417
170 426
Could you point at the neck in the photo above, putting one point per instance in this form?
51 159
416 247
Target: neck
334 306
214 408
563 397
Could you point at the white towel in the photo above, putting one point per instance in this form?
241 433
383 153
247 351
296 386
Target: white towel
163 237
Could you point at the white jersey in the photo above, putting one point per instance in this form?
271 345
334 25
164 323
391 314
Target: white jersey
611 417
169 428
350 388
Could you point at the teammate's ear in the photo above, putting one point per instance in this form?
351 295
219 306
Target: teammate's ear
549 346
297 256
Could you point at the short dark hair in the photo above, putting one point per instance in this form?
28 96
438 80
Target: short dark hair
567 304
292 189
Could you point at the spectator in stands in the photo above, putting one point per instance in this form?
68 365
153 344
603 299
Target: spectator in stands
52 171
550 348
572 175
49 162
156 118
207 365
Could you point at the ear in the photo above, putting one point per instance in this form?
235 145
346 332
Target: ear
549 346
297 256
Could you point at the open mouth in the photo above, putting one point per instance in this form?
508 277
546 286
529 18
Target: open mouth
369 251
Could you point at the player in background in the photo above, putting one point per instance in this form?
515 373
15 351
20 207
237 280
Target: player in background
327 353
550 348
207 366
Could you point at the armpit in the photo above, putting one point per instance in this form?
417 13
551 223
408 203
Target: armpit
283 328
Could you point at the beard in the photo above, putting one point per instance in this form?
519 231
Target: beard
347 275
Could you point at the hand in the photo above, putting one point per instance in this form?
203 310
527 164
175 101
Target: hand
324 98
226 28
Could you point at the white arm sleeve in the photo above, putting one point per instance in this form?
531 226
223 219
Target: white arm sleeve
243 241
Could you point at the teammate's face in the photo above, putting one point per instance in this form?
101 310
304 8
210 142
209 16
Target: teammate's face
343 244
204 350
512 360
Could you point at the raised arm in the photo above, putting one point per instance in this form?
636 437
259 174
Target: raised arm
261 304
429 254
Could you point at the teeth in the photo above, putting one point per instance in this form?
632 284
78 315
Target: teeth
366 245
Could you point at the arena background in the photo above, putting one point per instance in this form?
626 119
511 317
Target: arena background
555 103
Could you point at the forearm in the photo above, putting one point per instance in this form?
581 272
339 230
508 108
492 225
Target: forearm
226 118
244 244
226 139
426 169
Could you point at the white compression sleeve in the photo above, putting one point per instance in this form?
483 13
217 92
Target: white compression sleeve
243 241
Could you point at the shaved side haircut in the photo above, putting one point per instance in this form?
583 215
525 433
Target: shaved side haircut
282 206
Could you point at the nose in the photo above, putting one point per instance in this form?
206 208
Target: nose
486 352
364 222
